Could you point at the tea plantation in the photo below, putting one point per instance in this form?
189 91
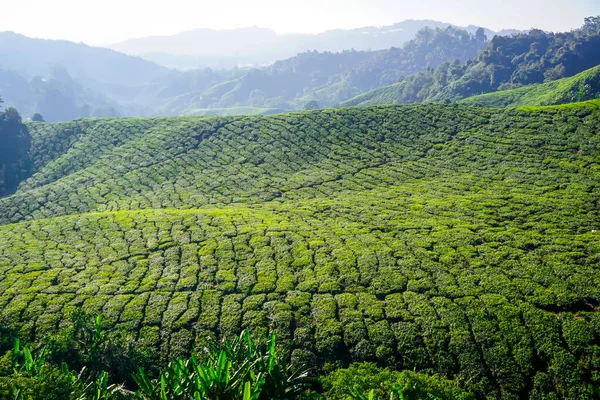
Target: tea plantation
445 239
581 87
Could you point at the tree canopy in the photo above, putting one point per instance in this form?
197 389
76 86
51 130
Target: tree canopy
15 142
37 117
505 63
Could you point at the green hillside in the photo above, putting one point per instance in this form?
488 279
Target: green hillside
447 239
327 77
506 63
382 95
581 87
578 88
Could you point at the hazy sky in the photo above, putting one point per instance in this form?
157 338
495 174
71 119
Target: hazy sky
107 21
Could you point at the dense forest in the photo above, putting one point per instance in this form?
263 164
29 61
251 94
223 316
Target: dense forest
581 87
15 143
444 239
329 78
506 63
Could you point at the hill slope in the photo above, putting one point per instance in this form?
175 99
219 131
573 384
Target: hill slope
506 63
448 239
581 87
329 78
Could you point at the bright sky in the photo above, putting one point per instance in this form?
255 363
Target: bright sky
108 21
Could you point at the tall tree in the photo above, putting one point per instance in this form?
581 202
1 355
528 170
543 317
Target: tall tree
15 141
311 105
592 25
480 35
37 117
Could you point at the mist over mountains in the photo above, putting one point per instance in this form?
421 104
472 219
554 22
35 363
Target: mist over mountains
431 61
63 80
260 46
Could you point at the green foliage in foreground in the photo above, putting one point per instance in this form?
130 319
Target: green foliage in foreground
581 87
221 370
226 369
450 240
69 365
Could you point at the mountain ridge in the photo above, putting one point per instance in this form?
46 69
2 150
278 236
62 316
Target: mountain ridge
224 43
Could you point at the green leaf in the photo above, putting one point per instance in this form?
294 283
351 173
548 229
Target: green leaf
247 392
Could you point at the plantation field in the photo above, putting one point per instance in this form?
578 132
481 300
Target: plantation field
207 112
578 88
447 239
581 87
382 95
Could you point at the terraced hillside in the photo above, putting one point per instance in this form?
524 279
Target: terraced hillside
383 95
581 87
448 239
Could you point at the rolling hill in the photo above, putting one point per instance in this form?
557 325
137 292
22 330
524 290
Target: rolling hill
61 84
443 238
57 96
581 87
96 67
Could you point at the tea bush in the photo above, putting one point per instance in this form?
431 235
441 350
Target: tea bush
445 239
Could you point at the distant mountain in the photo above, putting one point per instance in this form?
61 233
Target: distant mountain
56 96
259 46
329 78
64 80
93 66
